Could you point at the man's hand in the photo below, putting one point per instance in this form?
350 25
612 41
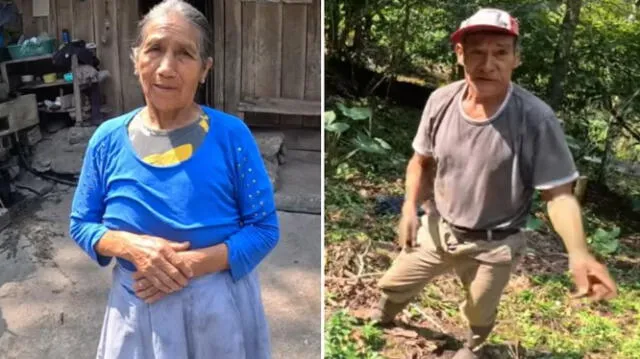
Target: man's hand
591 277
418 184
408 228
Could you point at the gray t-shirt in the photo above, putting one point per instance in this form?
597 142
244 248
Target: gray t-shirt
167 148
487 171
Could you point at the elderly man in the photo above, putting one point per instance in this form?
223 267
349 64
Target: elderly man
490 144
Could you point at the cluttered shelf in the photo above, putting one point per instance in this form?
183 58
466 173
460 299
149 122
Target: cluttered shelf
28 59
36 66
60 82
59 110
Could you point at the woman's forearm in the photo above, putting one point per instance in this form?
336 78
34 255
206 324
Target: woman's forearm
114 244
203 261
210 259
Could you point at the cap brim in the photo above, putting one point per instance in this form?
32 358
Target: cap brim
457 36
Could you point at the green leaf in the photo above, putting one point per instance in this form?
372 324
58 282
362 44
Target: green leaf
605 242
366 144
533 223
355 113
329 117
615 233
383 143
337 127
609 247
351 153
600 235
573 143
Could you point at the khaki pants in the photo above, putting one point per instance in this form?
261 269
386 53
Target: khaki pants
483 267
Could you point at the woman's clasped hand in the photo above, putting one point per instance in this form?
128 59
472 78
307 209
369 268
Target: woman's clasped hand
161 267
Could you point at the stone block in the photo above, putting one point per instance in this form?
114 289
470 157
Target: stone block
30 136
299 203
272 170
4 91
18 114
78 134
282 155
5 218
41 164
34 184
14 171
5 147
270 144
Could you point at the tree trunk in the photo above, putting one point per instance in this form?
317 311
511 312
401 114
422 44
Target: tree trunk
562 52
400 49
334 21
580 188
348 26
611 134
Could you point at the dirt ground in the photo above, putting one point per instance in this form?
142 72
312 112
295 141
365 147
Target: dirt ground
52 297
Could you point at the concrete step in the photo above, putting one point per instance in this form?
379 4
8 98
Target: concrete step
303 139
300 183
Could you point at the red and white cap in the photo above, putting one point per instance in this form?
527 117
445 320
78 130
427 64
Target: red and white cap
494 20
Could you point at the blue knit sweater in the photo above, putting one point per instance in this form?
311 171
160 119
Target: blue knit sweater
222 194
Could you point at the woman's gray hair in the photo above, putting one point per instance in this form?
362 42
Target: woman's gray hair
193 15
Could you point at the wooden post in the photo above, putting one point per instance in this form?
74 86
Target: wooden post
580 189
77 97
312 77
233 56
219 54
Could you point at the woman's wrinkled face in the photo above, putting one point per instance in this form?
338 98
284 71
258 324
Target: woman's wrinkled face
168 63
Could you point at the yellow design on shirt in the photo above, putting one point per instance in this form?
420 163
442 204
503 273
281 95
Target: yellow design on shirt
171 157
204 124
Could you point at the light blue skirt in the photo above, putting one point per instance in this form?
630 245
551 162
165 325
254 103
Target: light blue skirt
212 317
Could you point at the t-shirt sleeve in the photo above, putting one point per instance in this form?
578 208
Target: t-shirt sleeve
422 141
553 163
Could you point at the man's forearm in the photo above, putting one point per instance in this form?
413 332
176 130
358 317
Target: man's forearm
416 183
566 217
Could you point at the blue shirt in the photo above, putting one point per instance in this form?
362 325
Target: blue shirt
221 194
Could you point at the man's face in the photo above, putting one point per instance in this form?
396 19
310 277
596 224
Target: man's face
489 60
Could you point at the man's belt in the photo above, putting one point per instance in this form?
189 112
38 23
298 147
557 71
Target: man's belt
471 234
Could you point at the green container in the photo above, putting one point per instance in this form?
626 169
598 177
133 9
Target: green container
29 50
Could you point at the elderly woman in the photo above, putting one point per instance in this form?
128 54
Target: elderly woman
179 194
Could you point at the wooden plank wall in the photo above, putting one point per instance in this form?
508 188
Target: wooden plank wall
294 45
233 54
111 24
32 26
105 30
313 72
267 50
74 15
216 93
127 14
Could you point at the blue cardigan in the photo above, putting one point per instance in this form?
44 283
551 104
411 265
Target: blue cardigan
222 194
